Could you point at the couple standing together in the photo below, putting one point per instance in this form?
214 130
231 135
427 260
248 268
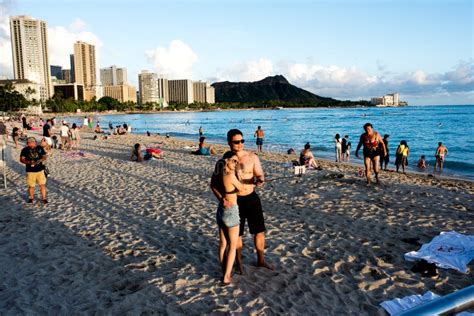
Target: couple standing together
233 183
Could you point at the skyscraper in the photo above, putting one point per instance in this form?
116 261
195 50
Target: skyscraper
153 89
67 75
203 92
29 39
57 71
113 76
85 67
181 91
72 76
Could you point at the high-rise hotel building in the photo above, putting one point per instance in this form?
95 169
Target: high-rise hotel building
113 76
152 88
29 39
85 67
181 91
203 92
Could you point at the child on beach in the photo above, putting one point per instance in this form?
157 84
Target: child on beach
401 158
228 216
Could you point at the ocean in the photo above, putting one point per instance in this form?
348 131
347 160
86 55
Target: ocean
421 126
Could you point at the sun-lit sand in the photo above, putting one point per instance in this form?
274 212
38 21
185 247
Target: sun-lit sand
125 237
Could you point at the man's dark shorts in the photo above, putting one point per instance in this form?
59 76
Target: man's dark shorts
250 209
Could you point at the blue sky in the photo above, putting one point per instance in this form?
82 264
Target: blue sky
341 49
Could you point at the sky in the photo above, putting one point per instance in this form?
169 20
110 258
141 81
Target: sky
342 49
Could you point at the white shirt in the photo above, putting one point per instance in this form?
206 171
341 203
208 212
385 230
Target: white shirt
64 131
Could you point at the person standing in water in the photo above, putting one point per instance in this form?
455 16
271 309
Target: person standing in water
384 160
259 134
201 131
440 155
373 148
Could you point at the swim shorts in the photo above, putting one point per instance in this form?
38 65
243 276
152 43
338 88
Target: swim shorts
259 141
250 209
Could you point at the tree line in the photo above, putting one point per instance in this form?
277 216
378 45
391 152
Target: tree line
12 100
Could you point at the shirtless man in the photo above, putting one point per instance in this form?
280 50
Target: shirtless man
250 207
440 154
373 148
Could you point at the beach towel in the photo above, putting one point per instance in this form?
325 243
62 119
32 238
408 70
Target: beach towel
399 305
449 250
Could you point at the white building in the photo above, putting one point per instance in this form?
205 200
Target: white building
153 89
113 76
29 38
392 99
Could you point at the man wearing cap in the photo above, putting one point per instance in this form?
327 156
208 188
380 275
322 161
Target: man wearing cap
33 156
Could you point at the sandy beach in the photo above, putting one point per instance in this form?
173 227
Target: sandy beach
125 237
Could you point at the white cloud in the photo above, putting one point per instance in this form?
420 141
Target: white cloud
247 71
175 61
61 42
6 64
354 83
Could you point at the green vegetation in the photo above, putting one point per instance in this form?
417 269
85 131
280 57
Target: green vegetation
12 100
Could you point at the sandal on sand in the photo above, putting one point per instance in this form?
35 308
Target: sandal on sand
45 201
30 201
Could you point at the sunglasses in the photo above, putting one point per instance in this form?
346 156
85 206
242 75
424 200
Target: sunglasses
236 142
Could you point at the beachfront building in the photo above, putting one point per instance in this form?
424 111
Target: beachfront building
181 91
392 99
203 92
148 87
29 39
70 91
113 76
122 93
29 89
72 76
57 71
66 73
153 89
85 68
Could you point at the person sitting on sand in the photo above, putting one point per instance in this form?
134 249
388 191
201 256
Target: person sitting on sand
440 154
401 157
373 148
227 216
205 150
97 129
136 153
422 163
307 157
121 130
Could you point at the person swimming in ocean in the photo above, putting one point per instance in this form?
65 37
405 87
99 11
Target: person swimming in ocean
373 147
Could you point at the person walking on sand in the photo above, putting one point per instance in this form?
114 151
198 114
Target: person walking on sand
259 134
440 155
75 137
386 158
338 143
402 155
33 157
373 148
248 201
227 217
85 122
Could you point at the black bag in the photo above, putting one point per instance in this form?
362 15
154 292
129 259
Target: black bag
46 171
